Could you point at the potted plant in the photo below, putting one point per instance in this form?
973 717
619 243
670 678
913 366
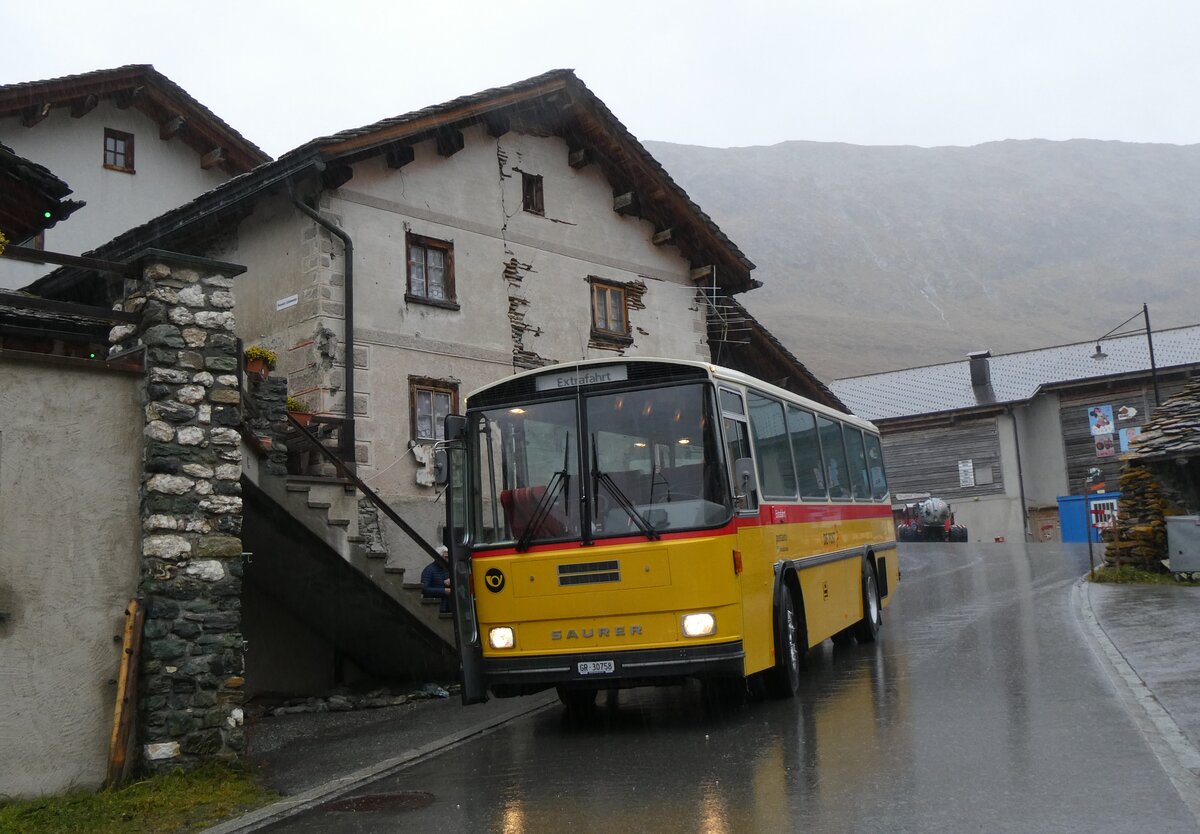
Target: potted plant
299 410
260 361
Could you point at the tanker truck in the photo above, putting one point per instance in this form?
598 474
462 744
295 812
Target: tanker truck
930 520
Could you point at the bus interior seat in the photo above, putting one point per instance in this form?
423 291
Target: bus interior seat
519 505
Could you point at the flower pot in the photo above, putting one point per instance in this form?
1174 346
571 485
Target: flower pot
302 418
258 368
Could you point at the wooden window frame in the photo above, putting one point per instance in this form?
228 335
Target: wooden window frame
418 384
126 154
533 198
450 302
600 287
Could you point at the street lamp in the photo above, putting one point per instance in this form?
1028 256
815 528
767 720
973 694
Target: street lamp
1100 354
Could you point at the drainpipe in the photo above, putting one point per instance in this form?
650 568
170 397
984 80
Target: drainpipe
348 340
1020 475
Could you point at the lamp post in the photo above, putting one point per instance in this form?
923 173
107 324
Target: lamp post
1100 354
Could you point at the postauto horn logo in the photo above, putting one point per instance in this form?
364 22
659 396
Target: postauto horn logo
494 580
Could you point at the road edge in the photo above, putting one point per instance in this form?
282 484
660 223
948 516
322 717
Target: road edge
311 798
1176 754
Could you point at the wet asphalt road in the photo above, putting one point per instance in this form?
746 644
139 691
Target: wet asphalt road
981 708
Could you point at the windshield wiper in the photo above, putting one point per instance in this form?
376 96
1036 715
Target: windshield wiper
558 482
623 501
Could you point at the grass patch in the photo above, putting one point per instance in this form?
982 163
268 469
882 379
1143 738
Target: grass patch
1131 576
160 804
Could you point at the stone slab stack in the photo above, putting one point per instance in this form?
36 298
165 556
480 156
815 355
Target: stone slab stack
1139 537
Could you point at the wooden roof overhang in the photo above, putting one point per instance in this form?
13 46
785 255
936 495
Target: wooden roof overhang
31 197
177 114
558 104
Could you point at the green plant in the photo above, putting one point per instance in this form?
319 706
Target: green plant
265 354
298 406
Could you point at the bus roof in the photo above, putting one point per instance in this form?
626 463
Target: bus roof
716 372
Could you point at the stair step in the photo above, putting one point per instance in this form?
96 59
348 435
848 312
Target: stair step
396 569
319 505
412 586
356 539
445 615
340 522
430 601
298 487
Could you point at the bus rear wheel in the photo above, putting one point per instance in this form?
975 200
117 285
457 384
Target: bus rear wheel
790 644
872 620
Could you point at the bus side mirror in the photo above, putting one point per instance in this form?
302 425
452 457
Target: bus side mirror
441 472
456 427
745 482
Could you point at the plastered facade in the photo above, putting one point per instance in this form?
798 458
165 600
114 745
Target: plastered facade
521 280
68 567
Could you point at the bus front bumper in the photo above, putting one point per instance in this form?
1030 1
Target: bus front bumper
613 669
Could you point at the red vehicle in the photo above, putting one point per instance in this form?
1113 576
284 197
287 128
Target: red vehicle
930 520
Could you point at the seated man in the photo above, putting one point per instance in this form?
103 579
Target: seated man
435 582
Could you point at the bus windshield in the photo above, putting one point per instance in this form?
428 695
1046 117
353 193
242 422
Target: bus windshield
649 463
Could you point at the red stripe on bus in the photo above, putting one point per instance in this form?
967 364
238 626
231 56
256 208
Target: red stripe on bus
768 514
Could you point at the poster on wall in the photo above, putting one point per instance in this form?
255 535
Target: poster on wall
966 473
1127 436
1100 419
1105 448
1126 413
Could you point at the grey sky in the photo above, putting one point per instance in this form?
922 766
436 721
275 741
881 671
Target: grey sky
719 74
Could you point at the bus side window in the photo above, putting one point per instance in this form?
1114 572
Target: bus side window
806 448
776 473
737 446
859 485
879 485
834 448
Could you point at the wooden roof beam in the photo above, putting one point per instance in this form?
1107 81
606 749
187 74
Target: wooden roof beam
661 238
336 176
449 141
213 158
399 154
626 203
578 157
34 113
171 127
127 98
83 105
497 124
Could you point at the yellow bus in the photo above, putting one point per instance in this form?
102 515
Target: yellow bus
633 522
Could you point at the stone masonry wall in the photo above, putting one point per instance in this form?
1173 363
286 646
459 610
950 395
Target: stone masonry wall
190 688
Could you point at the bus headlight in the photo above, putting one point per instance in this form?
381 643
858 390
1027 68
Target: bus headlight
501 637
699 625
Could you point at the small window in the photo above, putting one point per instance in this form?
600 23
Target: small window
531 193
608 310
118 150
432 400
430 271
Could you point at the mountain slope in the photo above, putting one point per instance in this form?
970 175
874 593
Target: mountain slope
876 258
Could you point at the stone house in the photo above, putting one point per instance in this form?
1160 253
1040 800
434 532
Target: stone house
437 251
444 248
131 142
1004 438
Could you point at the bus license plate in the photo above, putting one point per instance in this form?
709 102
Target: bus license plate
597 667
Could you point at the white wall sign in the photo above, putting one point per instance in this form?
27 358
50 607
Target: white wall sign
966 473
289 301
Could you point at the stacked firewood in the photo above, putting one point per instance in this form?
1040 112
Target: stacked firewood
1138 538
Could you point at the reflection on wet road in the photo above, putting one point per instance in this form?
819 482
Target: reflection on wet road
981 708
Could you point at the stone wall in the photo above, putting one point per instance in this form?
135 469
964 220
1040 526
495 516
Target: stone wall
190 688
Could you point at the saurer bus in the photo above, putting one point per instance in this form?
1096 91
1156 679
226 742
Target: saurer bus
633 522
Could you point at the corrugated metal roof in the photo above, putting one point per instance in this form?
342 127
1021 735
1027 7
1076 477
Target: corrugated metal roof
1015 377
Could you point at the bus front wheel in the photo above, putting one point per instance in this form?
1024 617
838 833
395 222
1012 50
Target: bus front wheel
872 620
790 644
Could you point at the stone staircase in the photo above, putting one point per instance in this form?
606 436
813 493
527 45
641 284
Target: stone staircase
328 508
